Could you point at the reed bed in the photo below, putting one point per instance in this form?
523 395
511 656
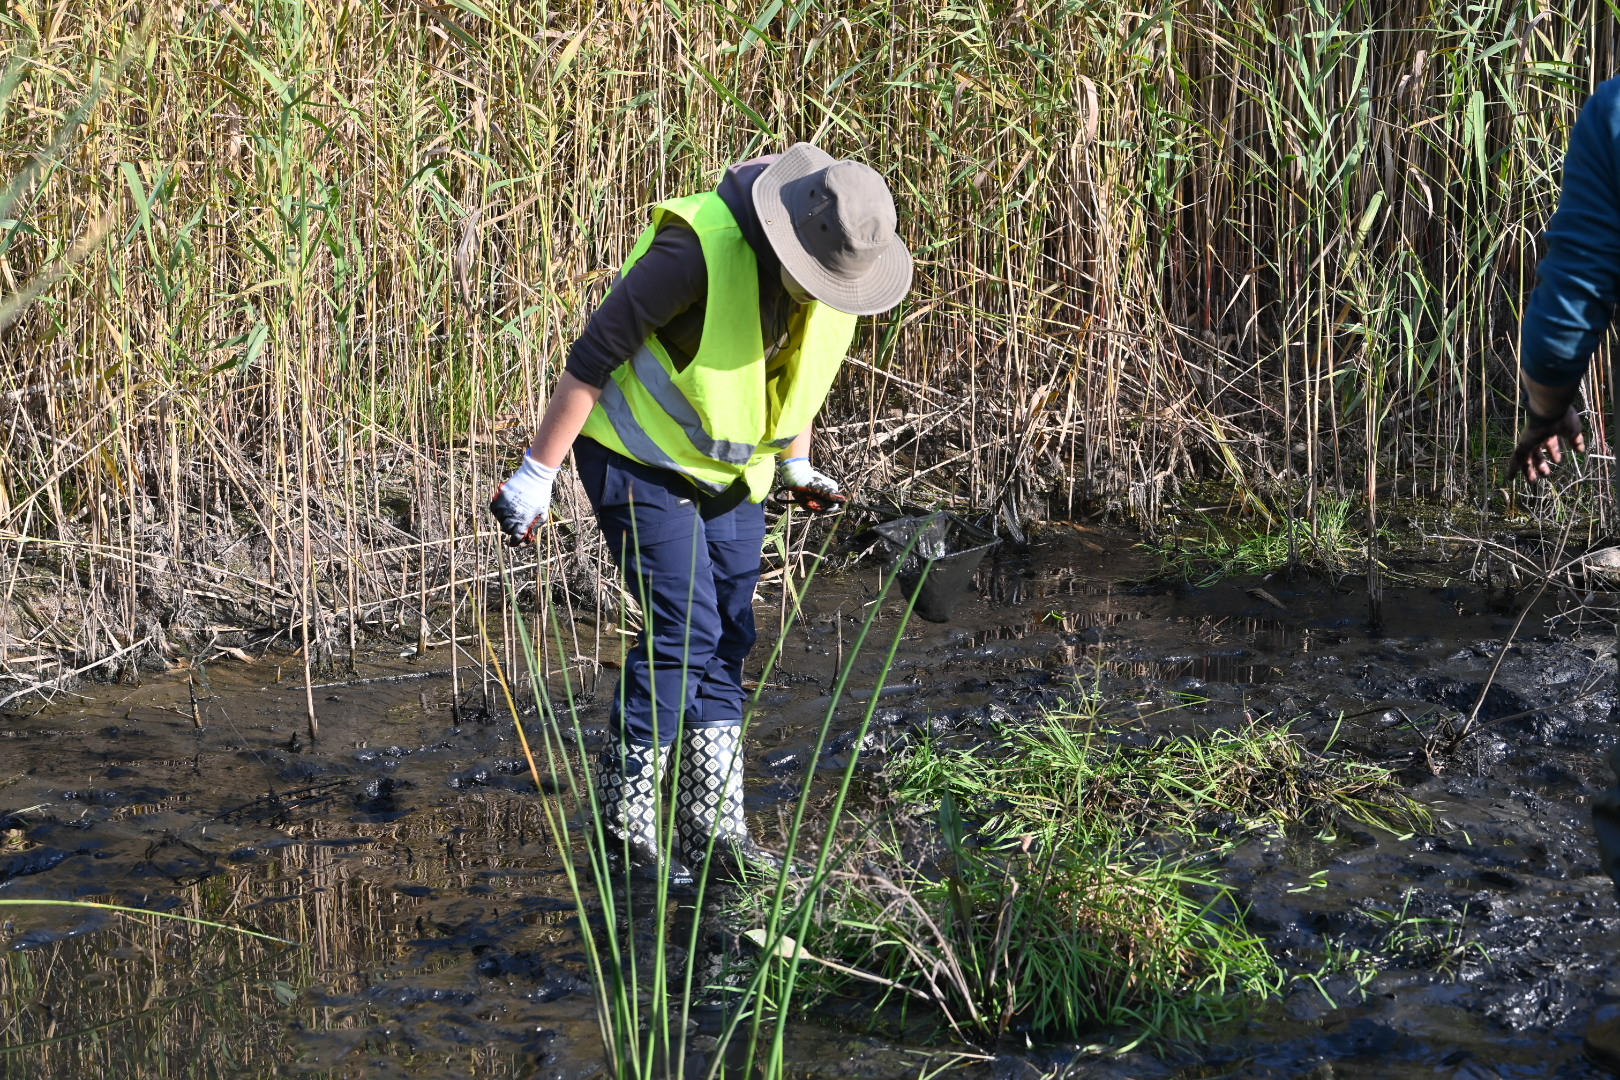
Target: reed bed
284 283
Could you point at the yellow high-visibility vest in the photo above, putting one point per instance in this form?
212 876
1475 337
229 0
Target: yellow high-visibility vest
728 412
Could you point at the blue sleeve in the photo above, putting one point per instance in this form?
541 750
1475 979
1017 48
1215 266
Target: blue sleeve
1580 274
670 277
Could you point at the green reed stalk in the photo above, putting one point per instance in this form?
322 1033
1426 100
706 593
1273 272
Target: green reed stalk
775 1064
155 914
620 982
790 620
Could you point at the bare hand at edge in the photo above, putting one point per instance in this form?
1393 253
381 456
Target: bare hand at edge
1541 446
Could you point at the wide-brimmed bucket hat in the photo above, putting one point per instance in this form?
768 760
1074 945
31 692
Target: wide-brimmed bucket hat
832 223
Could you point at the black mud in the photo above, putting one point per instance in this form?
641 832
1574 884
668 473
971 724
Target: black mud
406 851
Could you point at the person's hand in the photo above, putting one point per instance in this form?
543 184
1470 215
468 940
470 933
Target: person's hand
1541 444
523 500
808 486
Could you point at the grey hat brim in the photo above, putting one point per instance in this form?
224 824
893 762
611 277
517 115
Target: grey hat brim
874 292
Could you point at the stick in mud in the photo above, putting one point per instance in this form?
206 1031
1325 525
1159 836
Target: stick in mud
1554 565
404 676
56 683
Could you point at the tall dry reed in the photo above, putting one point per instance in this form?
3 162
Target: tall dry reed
305 270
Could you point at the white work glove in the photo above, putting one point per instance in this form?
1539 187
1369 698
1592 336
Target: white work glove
808 486
523 499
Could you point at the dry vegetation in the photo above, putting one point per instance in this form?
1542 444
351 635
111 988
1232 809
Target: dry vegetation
301 272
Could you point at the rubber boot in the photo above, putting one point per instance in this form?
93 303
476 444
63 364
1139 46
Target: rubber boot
709 801
627 783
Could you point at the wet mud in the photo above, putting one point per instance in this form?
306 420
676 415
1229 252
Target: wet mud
405 851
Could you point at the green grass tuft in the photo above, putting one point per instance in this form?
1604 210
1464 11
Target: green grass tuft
1044 901
1330 541
1059 774
1057 939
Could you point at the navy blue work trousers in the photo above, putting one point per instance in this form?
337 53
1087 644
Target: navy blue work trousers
692 563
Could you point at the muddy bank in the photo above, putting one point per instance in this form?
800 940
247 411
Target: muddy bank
406 852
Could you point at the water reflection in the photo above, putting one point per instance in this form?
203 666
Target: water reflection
1273 634
1236 668
409 932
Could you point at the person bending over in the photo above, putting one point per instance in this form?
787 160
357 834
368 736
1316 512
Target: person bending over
691 395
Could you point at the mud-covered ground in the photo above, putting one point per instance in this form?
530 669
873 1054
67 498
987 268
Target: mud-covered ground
405 850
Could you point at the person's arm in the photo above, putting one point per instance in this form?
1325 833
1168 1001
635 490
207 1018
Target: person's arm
570 406
798 448
668 278
1550 423
1574 299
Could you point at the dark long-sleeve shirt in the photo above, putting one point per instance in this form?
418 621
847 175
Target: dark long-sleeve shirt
1580 274
666 291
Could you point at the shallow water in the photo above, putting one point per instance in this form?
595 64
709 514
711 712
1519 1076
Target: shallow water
406 851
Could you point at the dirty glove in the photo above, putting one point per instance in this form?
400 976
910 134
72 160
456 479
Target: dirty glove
523 499
808 486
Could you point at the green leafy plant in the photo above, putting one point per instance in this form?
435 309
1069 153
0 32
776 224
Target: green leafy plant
1044 902
1403 940
1034 893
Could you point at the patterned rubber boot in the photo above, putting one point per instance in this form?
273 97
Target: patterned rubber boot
709 801
627 778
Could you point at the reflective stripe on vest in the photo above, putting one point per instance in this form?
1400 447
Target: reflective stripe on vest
667 394
637 443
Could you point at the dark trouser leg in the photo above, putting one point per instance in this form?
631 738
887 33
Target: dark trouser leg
659 684
673 581
657 538
658 690
735 573
709 792
656 535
